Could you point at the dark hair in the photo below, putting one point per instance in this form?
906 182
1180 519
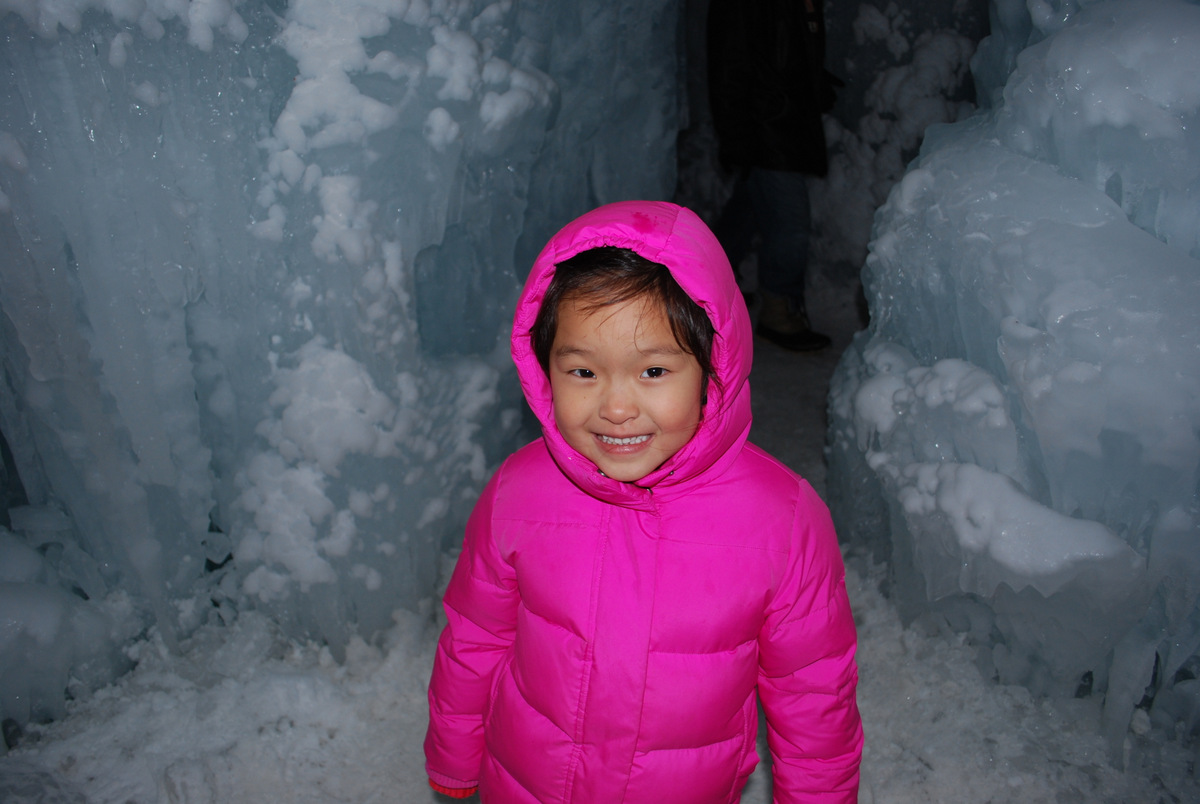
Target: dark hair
608 275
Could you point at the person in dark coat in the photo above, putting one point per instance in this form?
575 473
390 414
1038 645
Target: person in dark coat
768 88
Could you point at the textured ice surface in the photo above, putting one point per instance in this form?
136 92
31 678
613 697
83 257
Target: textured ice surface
1018 428
906 67
257 262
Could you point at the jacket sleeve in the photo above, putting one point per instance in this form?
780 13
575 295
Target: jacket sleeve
807 672
481 607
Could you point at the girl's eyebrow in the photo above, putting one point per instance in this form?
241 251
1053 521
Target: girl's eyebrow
568 350
663 350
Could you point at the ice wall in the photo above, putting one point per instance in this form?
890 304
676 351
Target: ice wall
906 67
1017 430
257 261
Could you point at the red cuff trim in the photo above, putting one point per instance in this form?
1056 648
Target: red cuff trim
453 792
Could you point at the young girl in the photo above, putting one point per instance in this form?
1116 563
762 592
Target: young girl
635 580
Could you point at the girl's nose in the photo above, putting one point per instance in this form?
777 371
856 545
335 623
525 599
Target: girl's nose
619 404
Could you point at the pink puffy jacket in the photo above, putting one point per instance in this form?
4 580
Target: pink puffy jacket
605 639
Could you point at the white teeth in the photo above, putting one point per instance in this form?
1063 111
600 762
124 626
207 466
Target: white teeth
624 442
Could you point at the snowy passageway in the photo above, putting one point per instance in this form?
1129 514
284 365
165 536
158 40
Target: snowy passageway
257 270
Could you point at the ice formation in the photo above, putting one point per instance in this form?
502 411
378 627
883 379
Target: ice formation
256 265
906 67
1017 430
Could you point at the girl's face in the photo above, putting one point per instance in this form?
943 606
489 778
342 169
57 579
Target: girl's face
625 394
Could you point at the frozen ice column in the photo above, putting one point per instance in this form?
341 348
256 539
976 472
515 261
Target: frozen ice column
1017 429
257 266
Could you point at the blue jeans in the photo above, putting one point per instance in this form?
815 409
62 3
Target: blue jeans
774 205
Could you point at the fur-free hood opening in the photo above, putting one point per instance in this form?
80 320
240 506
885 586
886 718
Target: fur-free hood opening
675 237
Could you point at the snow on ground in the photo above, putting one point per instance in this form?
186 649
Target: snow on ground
245 715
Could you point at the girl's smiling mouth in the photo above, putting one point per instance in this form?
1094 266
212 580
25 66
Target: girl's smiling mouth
623 442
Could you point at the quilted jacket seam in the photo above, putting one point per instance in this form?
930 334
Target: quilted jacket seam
733 649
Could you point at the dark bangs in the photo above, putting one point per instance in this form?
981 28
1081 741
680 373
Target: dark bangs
608 275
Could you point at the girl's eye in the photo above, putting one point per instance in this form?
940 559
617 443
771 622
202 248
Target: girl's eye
584 373
654 371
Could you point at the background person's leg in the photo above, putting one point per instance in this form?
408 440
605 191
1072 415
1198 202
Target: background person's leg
780 200
737 224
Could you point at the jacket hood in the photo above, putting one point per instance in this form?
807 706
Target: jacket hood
675 237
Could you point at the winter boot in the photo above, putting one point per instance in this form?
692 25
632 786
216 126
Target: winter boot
784 323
